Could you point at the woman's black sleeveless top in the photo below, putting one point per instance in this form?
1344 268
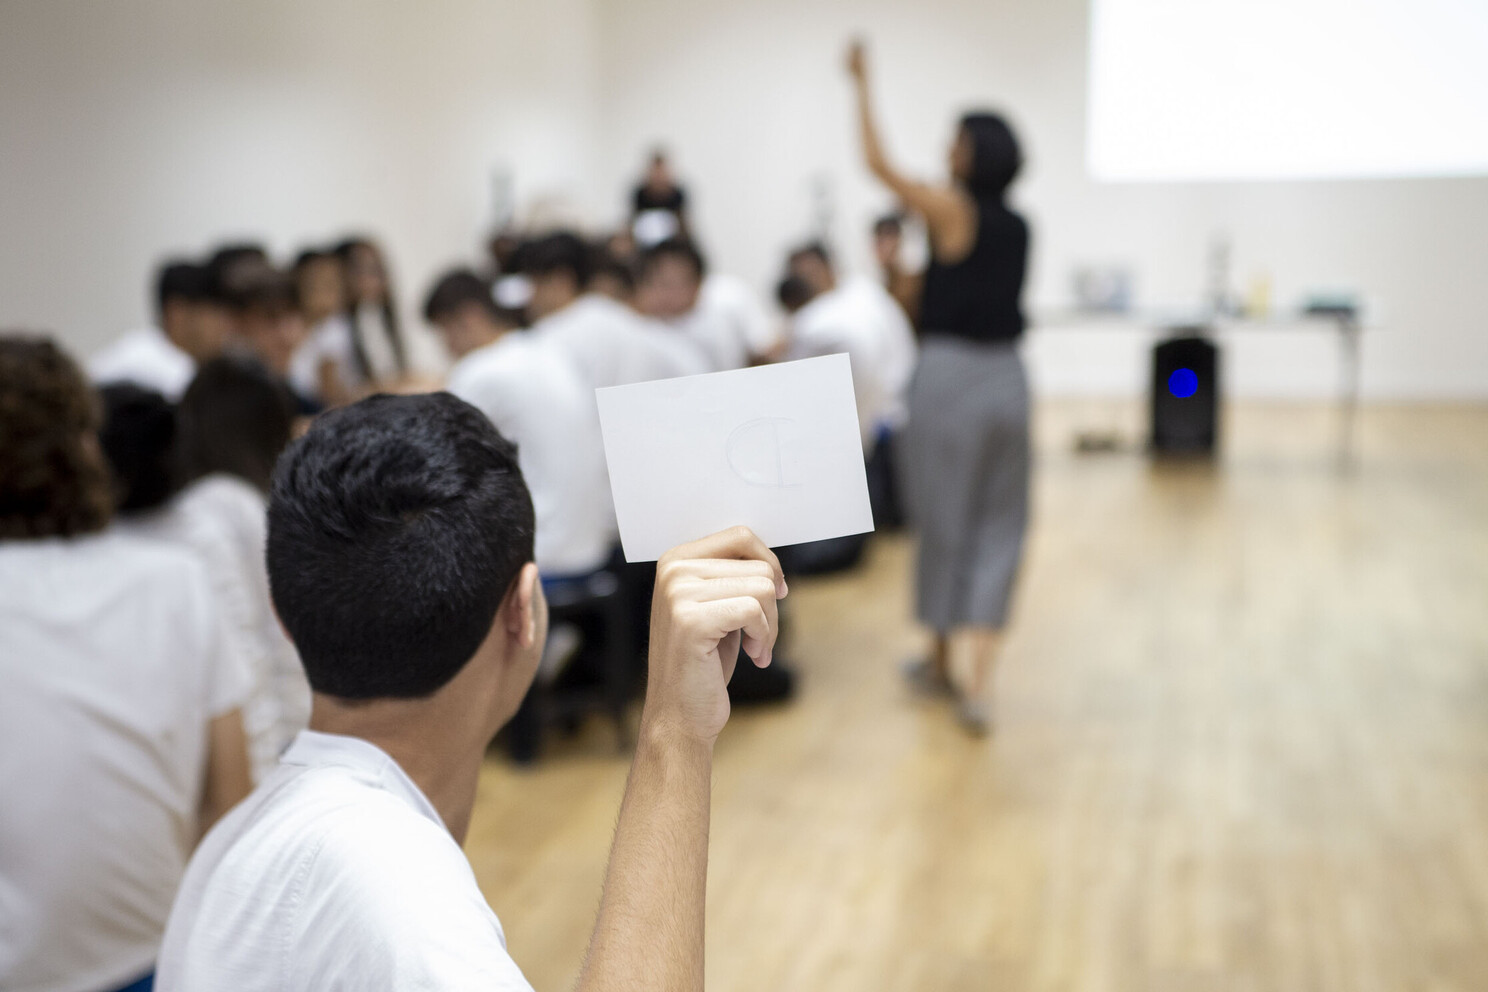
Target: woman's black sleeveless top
980 297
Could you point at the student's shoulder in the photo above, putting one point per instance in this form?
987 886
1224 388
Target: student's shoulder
144 556
380 867
368 842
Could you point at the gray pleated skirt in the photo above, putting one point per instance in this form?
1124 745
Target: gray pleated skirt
964 470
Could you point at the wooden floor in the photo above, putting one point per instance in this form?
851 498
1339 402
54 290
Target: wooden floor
1241 745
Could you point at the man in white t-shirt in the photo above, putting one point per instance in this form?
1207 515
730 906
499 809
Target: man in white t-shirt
400 558
857 316
192 326
120 733
717 312
534 395
609 343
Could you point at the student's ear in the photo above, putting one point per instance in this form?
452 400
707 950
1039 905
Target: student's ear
522 606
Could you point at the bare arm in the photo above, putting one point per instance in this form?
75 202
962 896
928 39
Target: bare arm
649 934
228 777
949 215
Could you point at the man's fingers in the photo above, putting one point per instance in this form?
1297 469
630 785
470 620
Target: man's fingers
718 568
737 543
743 613
708 590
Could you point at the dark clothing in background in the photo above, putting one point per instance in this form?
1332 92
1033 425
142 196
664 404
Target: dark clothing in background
979 298
965 458
672 199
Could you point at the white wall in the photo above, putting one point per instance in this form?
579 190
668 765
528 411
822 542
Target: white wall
132 130
753 99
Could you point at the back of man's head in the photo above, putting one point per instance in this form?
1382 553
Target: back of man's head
138 438
793 292
179 282
559 252
675 248
397 525
456 290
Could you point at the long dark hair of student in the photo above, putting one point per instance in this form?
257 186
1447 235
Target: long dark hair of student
346 250
996 158
235 418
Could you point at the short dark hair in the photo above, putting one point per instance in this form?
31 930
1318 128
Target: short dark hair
561 251
236 418
309 256
264 288
138 439
53 480
812 249
397 525
178 280
793 293
456 290
681 248
225 267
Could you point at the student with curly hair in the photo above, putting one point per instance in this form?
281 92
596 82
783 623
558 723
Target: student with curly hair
120 734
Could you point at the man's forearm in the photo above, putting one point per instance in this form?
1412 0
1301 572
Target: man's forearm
649 934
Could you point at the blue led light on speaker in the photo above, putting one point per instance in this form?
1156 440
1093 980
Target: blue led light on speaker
1183 383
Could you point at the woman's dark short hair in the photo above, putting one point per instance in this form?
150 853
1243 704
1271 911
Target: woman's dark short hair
53 480
397 525
235 418
138 439
995 156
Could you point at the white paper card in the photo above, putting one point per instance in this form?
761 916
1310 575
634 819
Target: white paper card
775 448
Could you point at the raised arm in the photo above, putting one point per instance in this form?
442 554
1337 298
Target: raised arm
949 215
709 595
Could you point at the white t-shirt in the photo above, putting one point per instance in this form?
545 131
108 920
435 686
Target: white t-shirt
223 521
860 318
145 357
534 395
336 874
612 345
111 667
736 324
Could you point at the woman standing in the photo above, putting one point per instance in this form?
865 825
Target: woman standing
966 447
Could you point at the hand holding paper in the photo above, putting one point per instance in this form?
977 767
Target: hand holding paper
775 448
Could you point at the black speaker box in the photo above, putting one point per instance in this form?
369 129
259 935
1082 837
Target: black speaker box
1185 425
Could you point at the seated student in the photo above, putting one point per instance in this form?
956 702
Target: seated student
379 348
400 558
673 285
534 395
120 736
164 357
612 275
857 316
610 343
270 326
322 294
234 421
904 285
138 437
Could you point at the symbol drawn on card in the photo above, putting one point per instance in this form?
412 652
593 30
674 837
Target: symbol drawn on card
754 453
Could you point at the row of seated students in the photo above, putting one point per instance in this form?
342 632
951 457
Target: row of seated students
132 528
